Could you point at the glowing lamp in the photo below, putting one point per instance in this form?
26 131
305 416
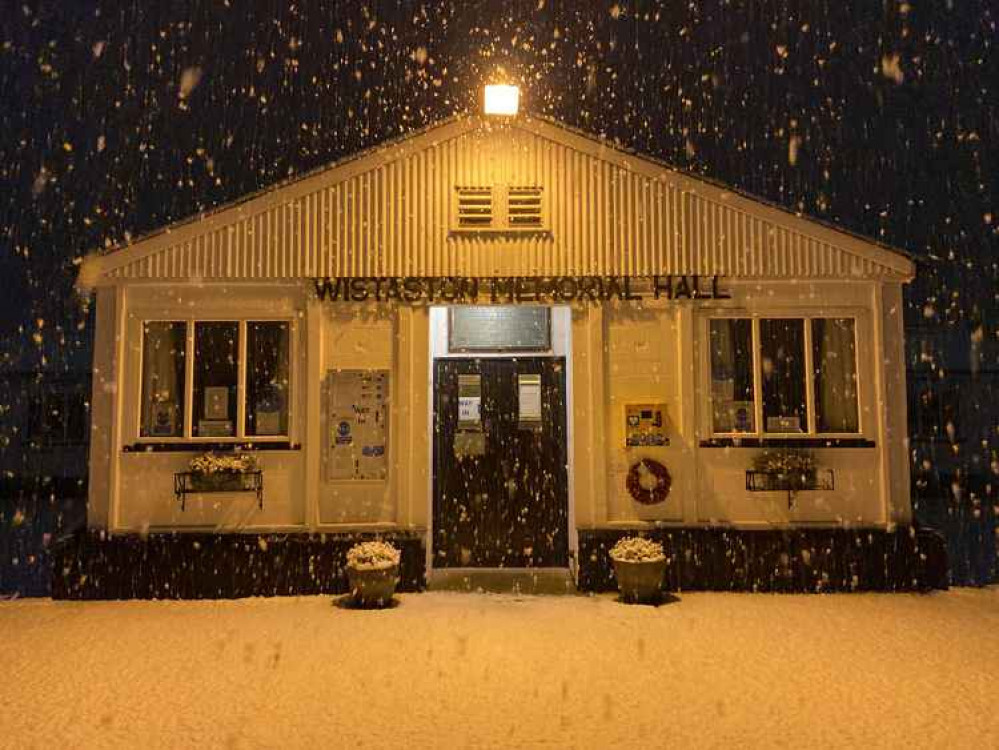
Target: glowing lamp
502 99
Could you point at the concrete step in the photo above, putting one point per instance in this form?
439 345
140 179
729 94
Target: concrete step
549 581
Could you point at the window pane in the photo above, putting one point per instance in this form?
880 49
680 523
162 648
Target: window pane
216 352
834 357
164 349
782 365
267 384
732 375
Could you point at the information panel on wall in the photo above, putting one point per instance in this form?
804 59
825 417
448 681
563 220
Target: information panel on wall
357 418
645 425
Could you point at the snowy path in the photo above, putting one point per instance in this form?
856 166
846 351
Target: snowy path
458 670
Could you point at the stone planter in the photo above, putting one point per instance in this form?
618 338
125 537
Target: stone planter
372 587
640 581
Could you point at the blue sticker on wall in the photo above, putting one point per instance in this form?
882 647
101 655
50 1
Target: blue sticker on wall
343 434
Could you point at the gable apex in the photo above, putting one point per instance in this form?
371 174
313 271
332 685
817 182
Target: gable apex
388 212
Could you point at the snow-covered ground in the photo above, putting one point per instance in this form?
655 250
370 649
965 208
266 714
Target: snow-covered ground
455 670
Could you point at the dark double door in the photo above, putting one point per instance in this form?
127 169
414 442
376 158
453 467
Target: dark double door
500 481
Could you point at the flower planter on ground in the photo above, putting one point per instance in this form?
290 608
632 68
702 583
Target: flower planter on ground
373 573
639 566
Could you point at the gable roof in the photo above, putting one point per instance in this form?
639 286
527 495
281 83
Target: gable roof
387 212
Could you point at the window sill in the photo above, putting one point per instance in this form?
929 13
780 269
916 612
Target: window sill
815 441
190 446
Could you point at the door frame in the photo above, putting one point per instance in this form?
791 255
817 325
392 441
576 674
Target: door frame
562 346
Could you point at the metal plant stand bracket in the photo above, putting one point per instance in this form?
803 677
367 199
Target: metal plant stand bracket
791 483
188 482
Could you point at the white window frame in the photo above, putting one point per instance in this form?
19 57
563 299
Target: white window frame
240 437
759 432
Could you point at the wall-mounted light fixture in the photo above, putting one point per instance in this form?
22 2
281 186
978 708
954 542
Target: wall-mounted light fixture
502 99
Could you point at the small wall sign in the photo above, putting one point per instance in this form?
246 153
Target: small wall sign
529 400
645 425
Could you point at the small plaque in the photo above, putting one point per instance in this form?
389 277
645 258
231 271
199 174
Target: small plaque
214 428
645 425
216 402
268 422
733 416
499 328
164 419
784 424
470 401
529 399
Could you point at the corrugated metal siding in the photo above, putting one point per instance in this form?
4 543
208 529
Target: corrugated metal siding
394 220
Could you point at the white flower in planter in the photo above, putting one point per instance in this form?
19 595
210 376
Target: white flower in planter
372 556
637 549
213 463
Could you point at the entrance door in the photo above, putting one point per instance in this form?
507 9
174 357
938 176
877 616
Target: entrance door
500 480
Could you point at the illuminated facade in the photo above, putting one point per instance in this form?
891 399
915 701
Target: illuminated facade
509 344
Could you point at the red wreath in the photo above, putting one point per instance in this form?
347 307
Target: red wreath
652 496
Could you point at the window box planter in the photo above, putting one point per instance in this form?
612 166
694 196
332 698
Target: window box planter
191 482
790 482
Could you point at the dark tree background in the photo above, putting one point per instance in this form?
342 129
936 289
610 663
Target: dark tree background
882 117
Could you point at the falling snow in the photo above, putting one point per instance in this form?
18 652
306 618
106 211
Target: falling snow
879 117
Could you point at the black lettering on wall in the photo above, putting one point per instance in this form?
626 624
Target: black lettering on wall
326 288
515 290
412 289
359 289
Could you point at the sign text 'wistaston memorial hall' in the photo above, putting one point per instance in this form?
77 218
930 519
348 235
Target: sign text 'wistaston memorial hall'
414 289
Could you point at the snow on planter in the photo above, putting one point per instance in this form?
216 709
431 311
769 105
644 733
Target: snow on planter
639 565
372 556
637 549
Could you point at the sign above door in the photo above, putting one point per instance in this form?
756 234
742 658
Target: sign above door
516 289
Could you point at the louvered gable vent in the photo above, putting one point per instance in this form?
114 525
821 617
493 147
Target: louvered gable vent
524 208
499 208
475 207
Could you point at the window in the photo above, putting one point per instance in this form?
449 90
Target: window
164 351
798 375
215 379
834 362
267 378
782 366
732 375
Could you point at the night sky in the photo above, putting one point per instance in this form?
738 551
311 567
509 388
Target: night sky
116 118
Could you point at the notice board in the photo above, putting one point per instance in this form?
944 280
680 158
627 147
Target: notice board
357 419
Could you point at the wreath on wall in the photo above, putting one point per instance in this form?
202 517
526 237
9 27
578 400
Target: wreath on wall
649 482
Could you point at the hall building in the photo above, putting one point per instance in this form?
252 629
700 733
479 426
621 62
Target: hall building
500 343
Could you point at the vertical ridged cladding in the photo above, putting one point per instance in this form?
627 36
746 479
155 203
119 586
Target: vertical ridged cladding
394 219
